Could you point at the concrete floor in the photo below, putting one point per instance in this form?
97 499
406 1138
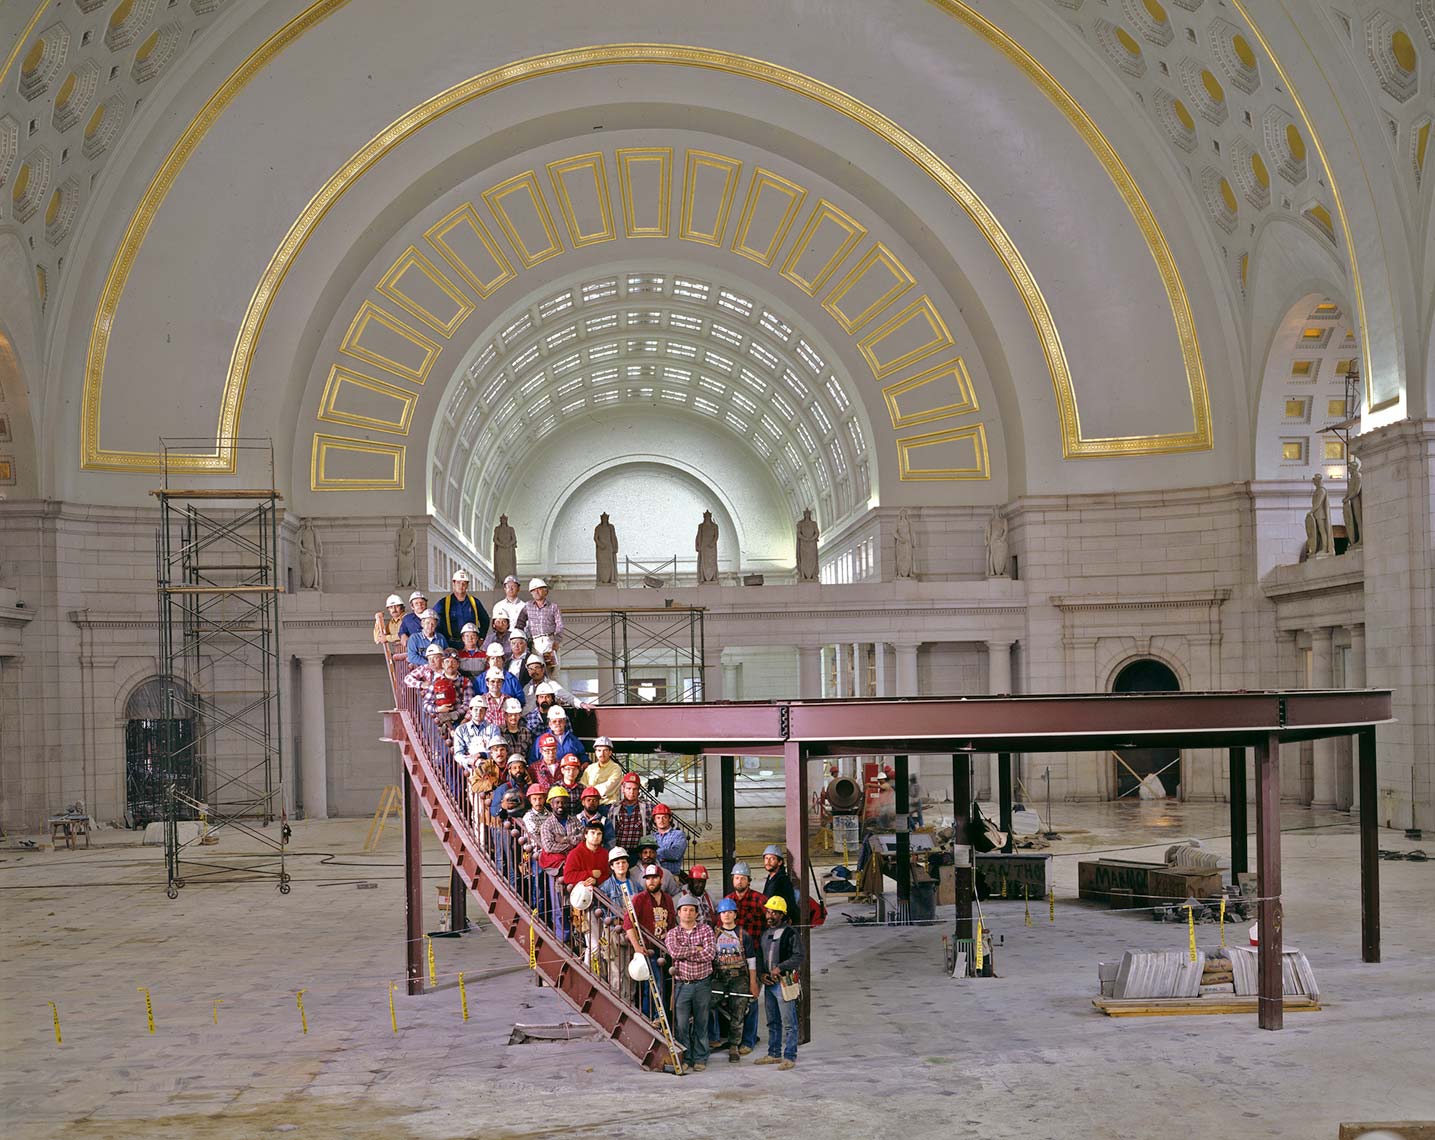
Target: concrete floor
897 1045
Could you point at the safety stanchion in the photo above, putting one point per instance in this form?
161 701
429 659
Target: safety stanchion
462 996
1223 922
55 1013
393 1015
1191 929
1026 901
1051 905
148 1007
303 1018
433 968
977 950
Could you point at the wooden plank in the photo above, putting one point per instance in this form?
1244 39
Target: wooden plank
216 493
1188 1007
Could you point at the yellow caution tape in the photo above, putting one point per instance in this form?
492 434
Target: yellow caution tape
393 1017
1051 905
462 996
1026 900
303 1019
55 1013
148 1007
977 950
433 969
216 1010
1223 922
1003 885
533 941
1191 929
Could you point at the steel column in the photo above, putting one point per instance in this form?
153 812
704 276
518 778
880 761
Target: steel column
729 819
457 901
961 828
904 838
1369 850
1004 798
1240 858
413 889
1268 878
794 773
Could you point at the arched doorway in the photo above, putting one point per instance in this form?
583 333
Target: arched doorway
1136 767
154 735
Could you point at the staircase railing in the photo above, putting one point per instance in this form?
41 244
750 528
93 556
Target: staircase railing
585 959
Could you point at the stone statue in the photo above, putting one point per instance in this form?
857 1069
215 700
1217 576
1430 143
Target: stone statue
807 547
906 545
311 552
1354 521
706 546
1317 520
505 551
998 556
605 551
406 563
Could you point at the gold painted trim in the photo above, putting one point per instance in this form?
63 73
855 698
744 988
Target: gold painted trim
732 170
21 40
595 164
921 308
795 194
824 211
1357 289
324 444
631 156
977 433
339 376
964 407
370 313
902 282
436 234
1074 444
411 258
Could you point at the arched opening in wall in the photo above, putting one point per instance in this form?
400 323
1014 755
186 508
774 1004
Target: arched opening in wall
156 740
1146 773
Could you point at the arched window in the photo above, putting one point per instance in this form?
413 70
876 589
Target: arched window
160 749
1147 773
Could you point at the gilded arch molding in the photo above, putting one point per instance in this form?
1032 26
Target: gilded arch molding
222 459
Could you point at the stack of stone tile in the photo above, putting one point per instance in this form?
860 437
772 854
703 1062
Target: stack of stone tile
1298 979
1158 974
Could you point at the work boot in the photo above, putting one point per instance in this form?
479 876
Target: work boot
768 1061
786 1065
744 1049
732 1057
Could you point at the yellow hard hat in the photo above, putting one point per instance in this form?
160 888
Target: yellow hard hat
557 792
777 903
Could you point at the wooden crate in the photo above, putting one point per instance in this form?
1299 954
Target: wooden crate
1170 885
1098 878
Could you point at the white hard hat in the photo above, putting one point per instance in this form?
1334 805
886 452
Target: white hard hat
512 705
557 712
428 614
394 600
618 853
509 579
469 627
418 596
533 659
638 969
602 742
434 650
460 576
536 583
543 643
517 633
546 687
493 675
475 700
496 650
581 897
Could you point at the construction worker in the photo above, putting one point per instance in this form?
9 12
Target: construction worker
752 917
781 955
630 814
594 812
734 978
427 635
654 908
455 610
648 853
604 773
418 602
387 624
672 841
698 888
692 946
779 883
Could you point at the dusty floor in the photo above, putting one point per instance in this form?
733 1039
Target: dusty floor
898 1046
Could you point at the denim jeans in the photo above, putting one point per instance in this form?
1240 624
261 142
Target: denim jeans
691 1002
781 1024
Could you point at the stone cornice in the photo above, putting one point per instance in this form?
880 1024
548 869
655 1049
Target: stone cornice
1401 434
1199 599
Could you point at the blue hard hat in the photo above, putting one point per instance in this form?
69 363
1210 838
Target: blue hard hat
725 905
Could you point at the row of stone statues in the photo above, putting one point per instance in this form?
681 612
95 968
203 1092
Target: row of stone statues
1319 542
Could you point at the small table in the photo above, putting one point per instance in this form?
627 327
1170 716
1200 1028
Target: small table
69 827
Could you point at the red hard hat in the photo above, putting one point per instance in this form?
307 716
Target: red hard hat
546 739
589 791
631 778
535 789
698 872
662 809
570 758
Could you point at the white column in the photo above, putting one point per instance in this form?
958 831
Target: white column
809 671
1355 679
884 671
314 759
823 690
730 673
844 669
998 682
1323 792
907 668
859 669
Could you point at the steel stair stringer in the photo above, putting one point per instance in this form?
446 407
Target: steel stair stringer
559 967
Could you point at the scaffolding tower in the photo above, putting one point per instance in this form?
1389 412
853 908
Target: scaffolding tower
643 654
217 573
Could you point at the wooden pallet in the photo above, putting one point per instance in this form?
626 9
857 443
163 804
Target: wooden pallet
1190 1007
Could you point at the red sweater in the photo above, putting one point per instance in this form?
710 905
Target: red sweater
581 863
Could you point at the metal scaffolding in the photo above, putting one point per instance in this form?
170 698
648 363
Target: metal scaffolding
653 655
217 573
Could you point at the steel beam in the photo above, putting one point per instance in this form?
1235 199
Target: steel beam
794 775
1369 850
729 819
1270 988
1240 859
902 807
1004 798
961 828
457 902
413 890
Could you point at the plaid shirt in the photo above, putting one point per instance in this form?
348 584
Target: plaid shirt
462 690
544 620
693 951
750 914
630 824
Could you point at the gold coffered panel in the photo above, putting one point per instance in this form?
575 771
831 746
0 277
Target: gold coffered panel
709 183
932 395
382 339
581 186
645 178
957 454
340 464
912 335
522 212
466 244
415 284
767 214
873 283
360 401
828 236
